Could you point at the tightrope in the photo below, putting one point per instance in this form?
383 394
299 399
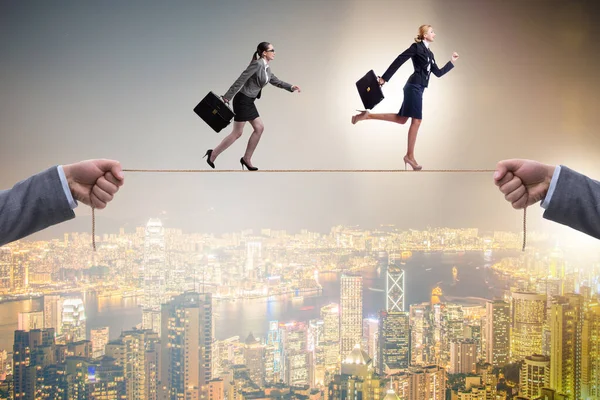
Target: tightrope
320 171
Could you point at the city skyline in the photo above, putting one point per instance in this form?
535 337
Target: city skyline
297 285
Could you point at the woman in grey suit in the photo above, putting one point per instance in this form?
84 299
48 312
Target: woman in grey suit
246 89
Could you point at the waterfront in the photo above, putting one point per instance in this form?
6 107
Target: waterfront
424 271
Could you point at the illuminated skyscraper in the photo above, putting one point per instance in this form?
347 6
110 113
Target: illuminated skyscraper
254 359
463 357
32 351
350 313
330 314
370 342
528 318
419 353
20 270
273 356
136 351
394 340
497 333
253 257
394 289
535 374
53 305
5 269
154 274
99 338
566 358
591 360
186 346
73 320
297 359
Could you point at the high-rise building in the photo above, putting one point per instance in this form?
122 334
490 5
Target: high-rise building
419 327
535 374
186 346
216 389
350 313
394 289
370 342
566 358
253 257
4 364
463 357
557 264
154 274
73 320
394 340
273 356
417 383
27 321
136 351
32 351
298 364
497 333
254 359
330 314
105 380
99 338
53 306
452 324
314 340
591 359
528 319
20 270
5 269
357 380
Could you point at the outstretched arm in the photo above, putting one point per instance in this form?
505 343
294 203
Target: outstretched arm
446 68
275 81
48 198
401 59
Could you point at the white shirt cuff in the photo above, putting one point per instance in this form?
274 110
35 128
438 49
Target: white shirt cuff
65 186
548 197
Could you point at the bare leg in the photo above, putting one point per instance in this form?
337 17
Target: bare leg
238 128
390 117
412 140
259 127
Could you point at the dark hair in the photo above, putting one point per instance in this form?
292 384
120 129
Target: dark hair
262 47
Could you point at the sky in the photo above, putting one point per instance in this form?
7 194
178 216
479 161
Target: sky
119 79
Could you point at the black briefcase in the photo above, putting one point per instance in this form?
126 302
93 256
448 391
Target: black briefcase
369 90
214 112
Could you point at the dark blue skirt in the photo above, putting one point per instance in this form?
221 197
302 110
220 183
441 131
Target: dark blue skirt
412 106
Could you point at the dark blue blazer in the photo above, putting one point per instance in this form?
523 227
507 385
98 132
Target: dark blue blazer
421 57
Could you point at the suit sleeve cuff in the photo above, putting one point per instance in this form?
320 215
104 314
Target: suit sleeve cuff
65 186
548 197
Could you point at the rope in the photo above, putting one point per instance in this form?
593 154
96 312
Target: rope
216 171
524 228
210 171
94 228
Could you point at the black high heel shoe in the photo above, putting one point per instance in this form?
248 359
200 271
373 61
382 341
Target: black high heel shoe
245 164
207 155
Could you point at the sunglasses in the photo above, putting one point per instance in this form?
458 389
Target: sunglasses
270 51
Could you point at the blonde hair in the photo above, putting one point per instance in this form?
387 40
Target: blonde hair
422 32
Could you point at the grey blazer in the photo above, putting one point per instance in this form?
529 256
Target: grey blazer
576 202
32 205
253 79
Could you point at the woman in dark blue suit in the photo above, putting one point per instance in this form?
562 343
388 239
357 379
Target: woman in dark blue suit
412 106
